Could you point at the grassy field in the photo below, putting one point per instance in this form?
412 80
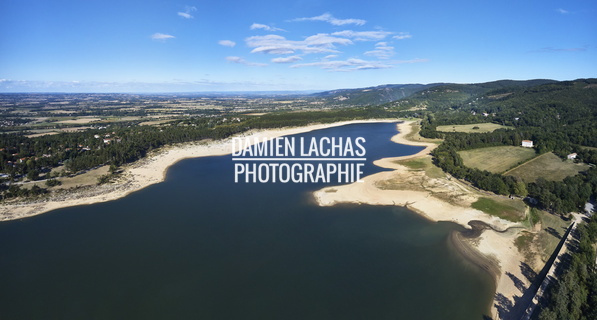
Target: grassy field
524 243
508 209
548 166
553 227
423 164
88 178
468 128
496 159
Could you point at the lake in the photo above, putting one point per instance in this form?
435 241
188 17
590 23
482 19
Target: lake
199 246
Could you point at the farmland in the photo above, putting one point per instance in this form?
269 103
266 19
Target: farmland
496 159
549 166
472 128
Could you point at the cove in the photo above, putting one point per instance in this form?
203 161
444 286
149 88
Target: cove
199 246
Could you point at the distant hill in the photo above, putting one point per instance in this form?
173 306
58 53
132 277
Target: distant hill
442 91
372 95
453 95
549 110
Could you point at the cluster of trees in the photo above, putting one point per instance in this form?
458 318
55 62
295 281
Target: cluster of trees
574 296
15 191
286 119
565 196
21 156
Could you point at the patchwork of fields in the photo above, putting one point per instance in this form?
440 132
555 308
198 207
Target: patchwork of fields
521 162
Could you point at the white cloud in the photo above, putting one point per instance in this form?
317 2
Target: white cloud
227 43
402 36
290 59
325 40
330 19
240 60
162 36
264 27
355 64
325 46
382 51
275 44
562 11
346 65
363 35
187 12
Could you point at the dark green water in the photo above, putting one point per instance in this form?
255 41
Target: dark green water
199 246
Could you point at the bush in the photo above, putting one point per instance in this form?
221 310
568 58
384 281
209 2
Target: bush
53 182
104 179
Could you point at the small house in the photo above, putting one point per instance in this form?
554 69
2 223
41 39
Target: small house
527 143
572 156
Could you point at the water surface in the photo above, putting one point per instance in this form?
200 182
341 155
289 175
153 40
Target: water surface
199 246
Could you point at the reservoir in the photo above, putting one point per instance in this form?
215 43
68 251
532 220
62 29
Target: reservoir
200 246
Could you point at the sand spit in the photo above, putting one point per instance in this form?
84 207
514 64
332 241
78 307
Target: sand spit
493 251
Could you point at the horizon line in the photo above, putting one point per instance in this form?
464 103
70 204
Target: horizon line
286 91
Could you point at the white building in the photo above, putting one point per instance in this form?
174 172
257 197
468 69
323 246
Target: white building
527 143
572 156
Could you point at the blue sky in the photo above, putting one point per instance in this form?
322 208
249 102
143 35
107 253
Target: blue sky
212 45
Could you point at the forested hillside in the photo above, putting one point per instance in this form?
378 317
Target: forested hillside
558 117
373 95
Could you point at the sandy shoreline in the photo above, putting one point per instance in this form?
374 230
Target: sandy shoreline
494 247
148 171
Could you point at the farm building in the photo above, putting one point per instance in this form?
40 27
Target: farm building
527 143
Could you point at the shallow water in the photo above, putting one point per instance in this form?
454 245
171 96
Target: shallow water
199 246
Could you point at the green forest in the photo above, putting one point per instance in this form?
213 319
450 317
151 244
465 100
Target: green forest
557 117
